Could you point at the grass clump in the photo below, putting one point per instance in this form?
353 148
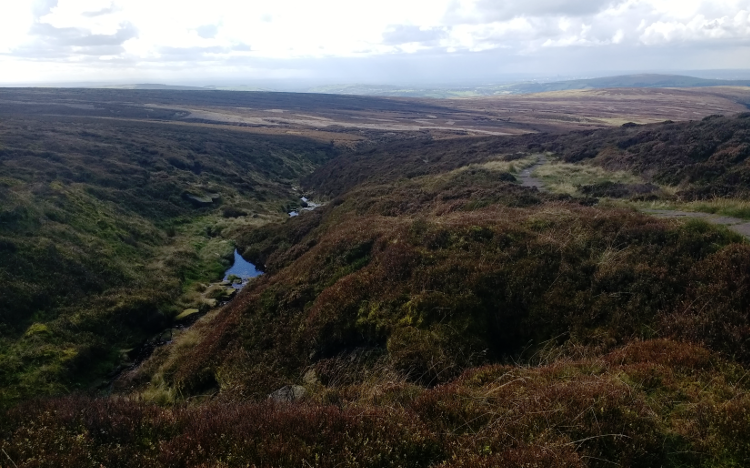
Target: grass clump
567 178
732 207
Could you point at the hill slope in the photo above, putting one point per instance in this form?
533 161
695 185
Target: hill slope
104 225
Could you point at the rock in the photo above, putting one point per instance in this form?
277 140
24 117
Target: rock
220 292
187 313
211 303
225 283
199 200
311 377
288 394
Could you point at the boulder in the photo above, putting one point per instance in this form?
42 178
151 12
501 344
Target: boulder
288 394
187 313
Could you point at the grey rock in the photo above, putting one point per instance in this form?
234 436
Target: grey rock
288 394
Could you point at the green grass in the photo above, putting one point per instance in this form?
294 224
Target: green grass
100 245
732 207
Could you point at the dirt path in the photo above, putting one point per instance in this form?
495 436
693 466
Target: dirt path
740 226
527 180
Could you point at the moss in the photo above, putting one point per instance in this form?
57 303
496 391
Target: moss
37 329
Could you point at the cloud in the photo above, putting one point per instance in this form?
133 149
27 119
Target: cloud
104 11
207 31
66 37
487 11
404 34
49 41
43 7
408 38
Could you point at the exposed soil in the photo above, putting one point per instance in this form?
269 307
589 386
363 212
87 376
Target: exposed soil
528 180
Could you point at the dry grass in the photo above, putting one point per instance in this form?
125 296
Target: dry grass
732 207
560 177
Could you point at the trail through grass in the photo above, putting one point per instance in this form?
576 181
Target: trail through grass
560 177
732 207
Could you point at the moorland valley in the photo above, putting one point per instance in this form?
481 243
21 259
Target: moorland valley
551 279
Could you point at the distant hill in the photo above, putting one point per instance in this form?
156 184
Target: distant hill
624 81
158 87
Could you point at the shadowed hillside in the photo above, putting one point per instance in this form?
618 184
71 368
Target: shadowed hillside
103 226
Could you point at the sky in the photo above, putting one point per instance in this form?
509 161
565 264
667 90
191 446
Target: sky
363 41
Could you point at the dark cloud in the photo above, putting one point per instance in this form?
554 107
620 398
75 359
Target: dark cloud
401 34
207 31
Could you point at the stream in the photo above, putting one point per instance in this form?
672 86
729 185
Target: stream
235 278
242 269
307 205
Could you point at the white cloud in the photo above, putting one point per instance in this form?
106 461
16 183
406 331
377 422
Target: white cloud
160 35
16 19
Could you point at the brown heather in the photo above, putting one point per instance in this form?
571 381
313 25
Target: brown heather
650 403
438 314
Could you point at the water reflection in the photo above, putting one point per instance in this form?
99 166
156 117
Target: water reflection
242 269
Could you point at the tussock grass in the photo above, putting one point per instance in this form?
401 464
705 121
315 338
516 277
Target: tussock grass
566 178
732 207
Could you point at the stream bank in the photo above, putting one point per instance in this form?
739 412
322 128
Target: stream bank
213 296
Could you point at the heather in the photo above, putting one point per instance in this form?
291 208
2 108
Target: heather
433 312
650 403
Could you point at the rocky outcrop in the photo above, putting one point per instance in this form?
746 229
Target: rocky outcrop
288 394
